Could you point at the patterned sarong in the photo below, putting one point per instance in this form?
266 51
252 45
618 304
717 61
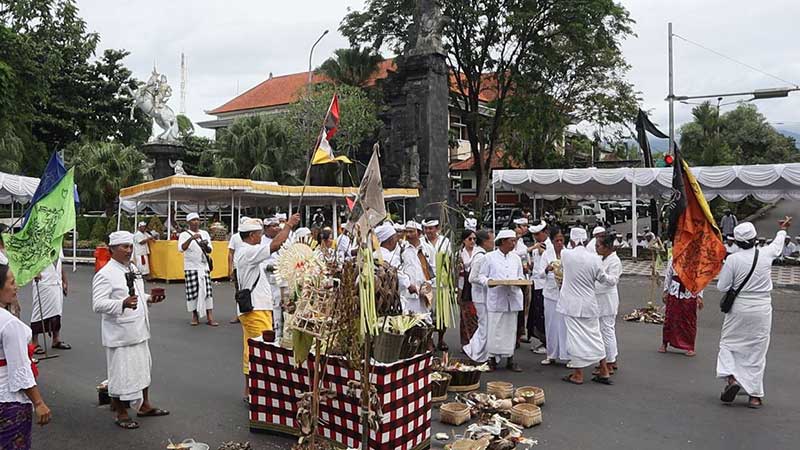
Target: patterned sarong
16 420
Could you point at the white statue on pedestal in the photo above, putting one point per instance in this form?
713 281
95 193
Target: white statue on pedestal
152 99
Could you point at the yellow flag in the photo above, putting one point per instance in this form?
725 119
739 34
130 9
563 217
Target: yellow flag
324 153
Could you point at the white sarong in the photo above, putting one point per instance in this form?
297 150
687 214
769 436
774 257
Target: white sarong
52 301
129 372
502 333
476 349
609 332
556 331
744 343
142 263
584 341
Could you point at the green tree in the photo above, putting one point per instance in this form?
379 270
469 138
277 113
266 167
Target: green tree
351 66
102 169
185 126
702 143
505 48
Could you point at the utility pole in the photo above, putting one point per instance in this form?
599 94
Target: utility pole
671 96
311 54
184 80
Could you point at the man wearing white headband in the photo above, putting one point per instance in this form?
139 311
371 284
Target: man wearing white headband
141 248
597 233
233 244
418 262
470 222
195 244
746 329
534 324
503 303
119 296
579 306
48 304
440 244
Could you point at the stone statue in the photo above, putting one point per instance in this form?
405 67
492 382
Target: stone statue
146 168
429 25
409 170
178 166
152 99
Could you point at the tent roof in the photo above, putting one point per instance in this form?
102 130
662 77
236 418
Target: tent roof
767 183
17 188
185 188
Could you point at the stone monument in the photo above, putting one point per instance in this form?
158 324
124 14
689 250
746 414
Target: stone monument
151 98
415 132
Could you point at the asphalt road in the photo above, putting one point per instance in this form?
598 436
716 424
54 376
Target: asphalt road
658 402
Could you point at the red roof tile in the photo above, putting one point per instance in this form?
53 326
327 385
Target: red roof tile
496 163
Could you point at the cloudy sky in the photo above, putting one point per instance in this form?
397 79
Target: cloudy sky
233 45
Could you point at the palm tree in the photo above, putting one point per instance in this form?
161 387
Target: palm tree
102 169
351 66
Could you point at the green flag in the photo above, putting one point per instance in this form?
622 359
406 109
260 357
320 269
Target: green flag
39 242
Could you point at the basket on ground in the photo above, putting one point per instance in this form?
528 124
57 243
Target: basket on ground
439 383
464 380
500 389
454 413
531 394
526 414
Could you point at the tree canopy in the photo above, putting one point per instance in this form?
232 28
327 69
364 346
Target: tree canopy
351 66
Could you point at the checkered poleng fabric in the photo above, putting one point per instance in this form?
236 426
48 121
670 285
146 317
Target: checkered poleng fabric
403 389
192 282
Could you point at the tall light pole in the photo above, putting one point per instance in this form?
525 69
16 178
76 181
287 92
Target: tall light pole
671 96
311 54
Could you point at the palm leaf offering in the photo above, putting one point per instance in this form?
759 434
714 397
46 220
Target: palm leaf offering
297 263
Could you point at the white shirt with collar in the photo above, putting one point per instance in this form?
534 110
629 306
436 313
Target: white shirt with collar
581 270
478 290
138 248
606 292
16 375
442 244
120 327
546 279
502 266
250 261
536 264
737 266
193 258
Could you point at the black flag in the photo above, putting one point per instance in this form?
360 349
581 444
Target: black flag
644 126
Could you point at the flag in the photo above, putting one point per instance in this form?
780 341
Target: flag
369 209
53 173
324 152
644 126
697 247
39 242
332 118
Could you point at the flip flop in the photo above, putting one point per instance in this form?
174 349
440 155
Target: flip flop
38 350
155 412
752 405
602 380
194 324
212 324
128 424
62 346
729 393
569 379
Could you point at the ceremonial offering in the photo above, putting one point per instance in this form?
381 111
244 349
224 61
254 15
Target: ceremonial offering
493 283
531 394
500 389
526 415
439 383
454 413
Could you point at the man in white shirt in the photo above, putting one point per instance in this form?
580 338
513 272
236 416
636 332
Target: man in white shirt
608 298
619 242
251 263
233 244
272 229
503 303
581 313
417 258
789 248
345 250
49 289
195 244
535 322
432 236
477 349
117 295
471 223
597 233
141 249
746 329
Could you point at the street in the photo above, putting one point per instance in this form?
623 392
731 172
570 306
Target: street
658 401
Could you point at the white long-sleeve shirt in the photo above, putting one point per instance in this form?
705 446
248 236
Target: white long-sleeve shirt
551 289
17 374
738 265
606 292
120 327
502 266
411 268
536 264
478 289
250 262
581 270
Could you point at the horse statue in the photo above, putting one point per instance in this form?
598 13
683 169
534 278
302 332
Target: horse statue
152 98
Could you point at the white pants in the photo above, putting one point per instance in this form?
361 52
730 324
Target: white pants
584 341
142 263
609 332
556 331
476 349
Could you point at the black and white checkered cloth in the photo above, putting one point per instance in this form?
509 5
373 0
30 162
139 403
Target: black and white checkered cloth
192 280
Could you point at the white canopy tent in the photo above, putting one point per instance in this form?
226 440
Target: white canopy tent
766 183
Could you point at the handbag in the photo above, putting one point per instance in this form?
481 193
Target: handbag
244 297
726 303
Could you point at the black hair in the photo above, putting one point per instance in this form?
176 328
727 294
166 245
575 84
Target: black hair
607 240
4 271
3 229
325 234
629 235
482 236
744 245
465 234
555 231
245 234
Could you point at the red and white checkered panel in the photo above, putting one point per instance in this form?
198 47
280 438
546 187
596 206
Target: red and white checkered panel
275 384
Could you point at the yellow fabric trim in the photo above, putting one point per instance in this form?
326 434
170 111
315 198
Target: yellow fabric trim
701 199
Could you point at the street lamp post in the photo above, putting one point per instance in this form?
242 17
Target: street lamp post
311 54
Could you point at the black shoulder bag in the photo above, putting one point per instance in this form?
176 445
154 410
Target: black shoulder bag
726 303
244 297
209 260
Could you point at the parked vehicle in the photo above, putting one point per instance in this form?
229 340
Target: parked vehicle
580 214
503 217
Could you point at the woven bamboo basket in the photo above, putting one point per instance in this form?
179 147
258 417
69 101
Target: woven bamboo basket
439 388
469 444
500 389
531 394
454 413
526 415
314 311
387 347
464 381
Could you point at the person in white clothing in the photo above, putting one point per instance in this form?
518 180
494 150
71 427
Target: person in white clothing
417 265
195 244
477 349
141 249
608 298
789 248
233 244
272 229
49 289
118 295
746 329
597 233
619 242
440 244
536 322
345 250
251 271
470 222
579 306
555 327
503 303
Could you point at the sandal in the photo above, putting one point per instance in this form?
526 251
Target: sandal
154 412
569 379
602 380
691 353
38 350
61 345
755 403
128 424
212 323
194 323
729 393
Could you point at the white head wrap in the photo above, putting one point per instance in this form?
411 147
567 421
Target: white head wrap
251 225
3 259
505 234
398 227
142 224
120 237
281 216
598 230
577 235
271 221
192 216
430 223
521 221
538 227
744 232
243 219
412 225
384 232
